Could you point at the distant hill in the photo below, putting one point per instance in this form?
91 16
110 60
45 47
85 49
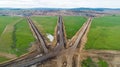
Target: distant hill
30 8
95 9
76 9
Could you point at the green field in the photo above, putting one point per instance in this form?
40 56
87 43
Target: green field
73 24
104 33
6 36
16 37
4 20
47 24
22 37
2 59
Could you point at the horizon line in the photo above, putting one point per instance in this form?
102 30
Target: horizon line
57 7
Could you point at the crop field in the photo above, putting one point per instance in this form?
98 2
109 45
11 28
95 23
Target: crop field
104 33
16 36
72 24
22 37
6 28
4 22
46 24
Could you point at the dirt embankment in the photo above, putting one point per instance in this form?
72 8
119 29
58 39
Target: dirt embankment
112 57
10 56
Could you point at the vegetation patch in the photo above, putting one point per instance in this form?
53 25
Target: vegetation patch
90 63
6 37
102 63
73 24
104 33
2 59
4 20
22 38
46 24
16 37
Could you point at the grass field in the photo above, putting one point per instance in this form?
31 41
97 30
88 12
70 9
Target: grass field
16 37
4 20
104 33
46 24
73 24
22 37
2 59
6 37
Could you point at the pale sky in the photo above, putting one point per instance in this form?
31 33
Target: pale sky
60 3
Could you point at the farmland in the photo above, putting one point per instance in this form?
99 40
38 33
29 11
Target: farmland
4 22
46 24
16 35
72 24
17 38
104 33
22 37
6 29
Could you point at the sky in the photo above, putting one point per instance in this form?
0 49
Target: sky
59 3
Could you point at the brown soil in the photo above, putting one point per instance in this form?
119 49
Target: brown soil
112 57
10 56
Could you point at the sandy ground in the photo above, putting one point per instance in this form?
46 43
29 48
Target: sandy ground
112 57
10 56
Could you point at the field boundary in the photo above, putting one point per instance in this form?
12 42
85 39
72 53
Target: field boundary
8 29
